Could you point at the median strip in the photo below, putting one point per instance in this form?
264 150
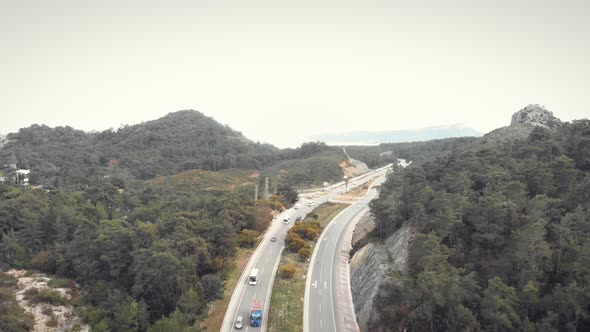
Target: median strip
286 307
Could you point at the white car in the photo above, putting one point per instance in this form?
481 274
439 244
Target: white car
239 322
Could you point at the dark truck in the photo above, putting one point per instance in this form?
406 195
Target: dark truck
256 314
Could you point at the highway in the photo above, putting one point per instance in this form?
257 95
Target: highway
328 301
267 256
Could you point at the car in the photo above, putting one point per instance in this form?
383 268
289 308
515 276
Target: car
298 218
310 203
239 322
273 239
286 220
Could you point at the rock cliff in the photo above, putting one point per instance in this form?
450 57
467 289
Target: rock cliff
367 271
522 124
535 115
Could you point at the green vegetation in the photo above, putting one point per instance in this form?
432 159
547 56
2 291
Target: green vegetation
59 283
46 295
286 306
214 319
503 239
159 252
12 316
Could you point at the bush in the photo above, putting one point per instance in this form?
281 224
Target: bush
247 238
8 281
304 253
287 271
294 241
58 283
46 295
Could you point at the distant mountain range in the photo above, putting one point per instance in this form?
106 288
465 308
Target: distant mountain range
396 136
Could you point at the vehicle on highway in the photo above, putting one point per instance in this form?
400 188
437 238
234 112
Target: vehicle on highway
256 314
310 203
239 322
253 278
298 218
286 219
296 207
274 239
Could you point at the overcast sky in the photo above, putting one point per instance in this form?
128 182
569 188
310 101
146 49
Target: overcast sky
284 71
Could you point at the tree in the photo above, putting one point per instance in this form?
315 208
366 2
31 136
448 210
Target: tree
247 238
287 192
498 306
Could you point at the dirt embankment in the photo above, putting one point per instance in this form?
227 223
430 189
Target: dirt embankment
34 295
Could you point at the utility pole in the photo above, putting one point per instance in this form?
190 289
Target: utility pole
255 194
266 193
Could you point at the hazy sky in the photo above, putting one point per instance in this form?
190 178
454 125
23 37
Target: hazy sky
282 71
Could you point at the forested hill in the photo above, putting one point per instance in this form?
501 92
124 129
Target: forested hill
502 235
63 156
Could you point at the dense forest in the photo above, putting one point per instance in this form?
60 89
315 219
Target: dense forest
66 158
502 237
150 259
62 157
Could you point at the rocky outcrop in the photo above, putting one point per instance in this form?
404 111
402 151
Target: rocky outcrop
522 124
353 167
367 270
535 115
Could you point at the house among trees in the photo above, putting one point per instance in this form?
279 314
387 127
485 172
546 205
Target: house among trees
22 176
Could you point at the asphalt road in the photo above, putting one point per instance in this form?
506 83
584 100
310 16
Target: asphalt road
266 258
328 300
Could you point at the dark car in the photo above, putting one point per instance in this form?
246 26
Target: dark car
298 218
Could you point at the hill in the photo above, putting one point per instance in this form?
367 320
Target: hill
502 233
64 157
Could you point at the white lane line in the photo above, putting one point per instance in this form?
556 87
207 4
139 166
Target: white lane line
325 284
321 325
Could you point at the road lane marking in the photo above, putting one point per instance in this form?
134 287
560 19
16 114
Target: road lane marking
325 284
321 325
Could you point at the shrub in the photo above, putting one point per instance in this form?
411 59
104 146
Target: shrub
50 296
287 271
58 283
52 322
8 281
247 238
304 253
295 242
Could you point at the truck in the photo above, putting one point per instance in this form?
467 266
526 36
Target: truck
253 278
256 313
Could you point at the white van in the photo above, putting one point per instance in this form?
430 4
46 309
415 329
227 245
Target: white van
286 219
253 278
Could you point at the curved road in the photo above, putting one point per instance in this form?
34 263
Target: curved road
266 258
328 300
